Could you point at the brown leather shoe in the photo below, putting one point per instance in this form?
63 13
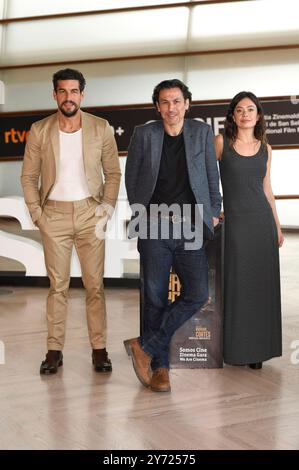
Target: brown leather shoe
141 362
54 359
101 361
160 380
127 346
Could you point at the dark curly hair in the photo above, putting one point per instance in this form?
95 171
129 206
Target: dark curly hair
69 74
231 130
173 83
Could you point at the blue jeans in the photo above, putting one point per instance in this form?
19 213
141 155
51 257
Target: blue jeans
160 319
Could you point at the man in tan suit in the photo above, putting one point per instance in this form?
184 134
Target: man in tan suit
68 152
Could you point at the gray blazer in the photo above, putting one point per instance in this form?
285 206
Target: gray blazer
143 163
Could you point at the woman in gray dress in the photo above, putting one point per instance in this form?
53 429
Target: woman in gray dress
252 306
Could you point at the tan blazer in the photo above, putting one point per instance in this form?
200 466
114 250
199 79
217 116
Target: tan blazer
41 161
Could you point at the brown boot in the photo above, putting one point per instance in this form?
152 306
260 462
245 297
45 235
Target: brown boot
141 362
160 380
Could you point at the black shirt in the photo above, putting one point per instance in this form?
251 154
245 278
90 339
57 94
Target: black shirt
173 184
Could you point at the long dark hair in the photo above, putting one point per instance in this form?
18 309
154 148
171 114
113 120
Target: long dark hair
231 130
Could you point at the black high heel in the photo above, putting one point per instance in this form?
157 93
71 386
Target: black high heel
256 365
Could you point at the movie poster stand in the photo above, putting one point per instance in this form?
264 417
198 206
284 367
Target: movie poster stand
198 343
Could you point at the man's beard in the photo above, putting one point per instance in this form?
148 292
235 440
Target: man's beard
69 113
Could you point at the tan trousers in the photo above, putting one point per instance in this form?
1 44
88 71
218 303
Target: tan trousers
63 225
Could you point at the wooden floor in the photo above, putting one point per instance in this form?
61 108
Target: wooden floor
229 408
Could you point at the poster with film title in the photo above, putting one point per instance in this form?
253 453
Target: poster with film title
281 116
198 342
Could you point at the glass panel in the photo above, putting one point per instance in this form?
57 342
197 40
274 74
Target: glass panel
133 33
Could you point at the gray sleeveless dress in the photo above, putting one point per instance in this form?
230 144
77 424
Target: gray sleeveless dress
252 307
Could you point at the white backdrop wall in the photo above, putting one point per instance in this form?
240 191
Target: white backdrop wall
216 76
209 77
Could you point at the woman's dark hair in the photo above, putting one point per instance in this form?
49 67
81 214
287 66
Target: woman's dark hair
174 83
230 126
69 74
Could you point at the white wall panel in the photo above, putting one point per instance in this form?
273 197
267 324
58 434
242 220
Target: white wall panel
2 9
10 184
107 83
1 38
22 8
209 77
110 35
271 73
285 171
244 24
288 212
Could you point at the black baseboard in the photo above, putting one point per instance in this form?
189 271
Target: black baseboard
18 279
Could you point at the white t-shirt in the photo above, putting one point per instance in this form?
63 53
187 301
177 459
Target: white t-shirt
71 184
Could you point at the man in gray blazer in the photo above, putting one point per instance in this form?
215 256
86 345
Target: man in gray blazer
172 181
